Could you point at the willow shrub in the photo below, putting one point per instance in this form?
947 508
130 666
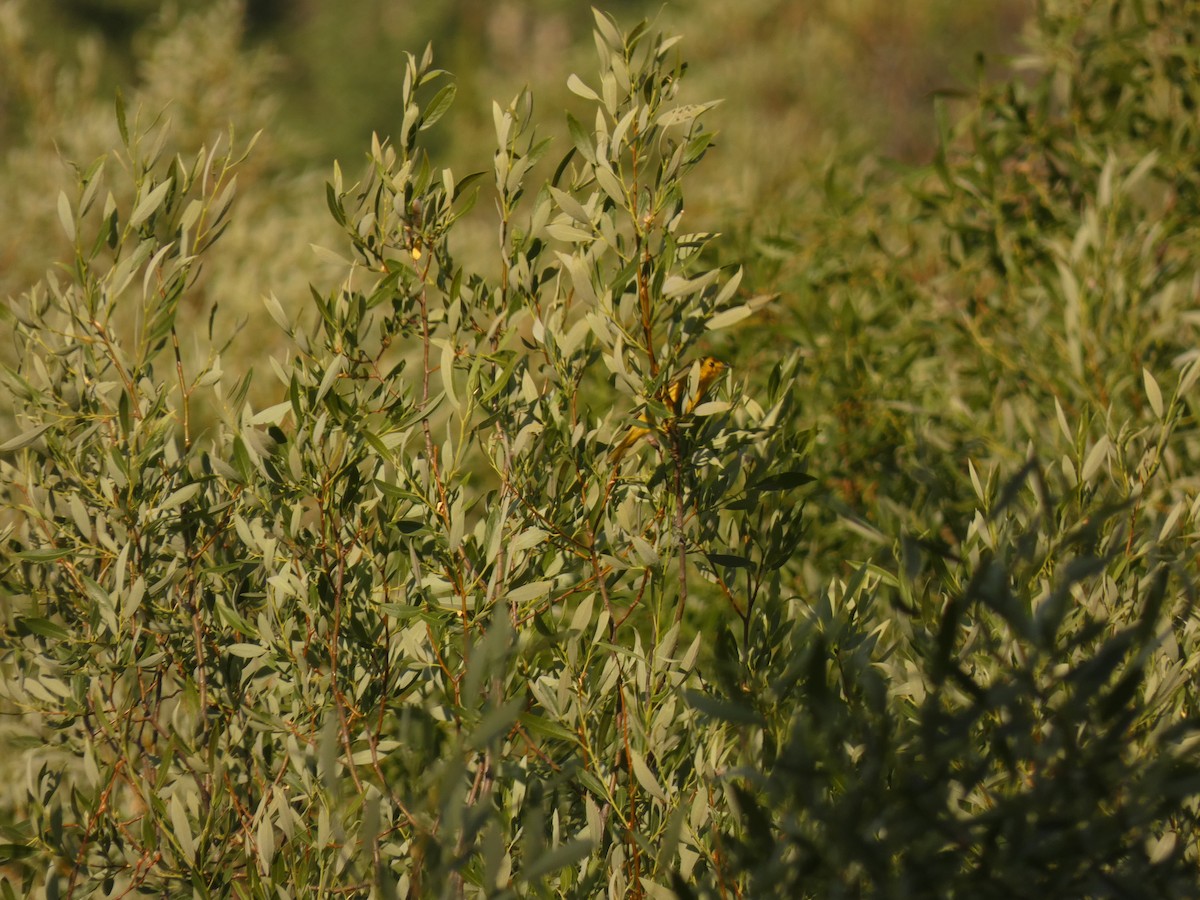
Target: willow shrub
410 629
1005 351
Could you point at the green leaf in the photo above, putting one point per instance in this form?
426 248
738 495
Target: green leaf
13 852
180 497
729 561
247 651
783 481
149 204
42 556
645 777
582 139
446 370
644 551
336 365
1095 459
568 234
466 181
576 86
682 115
1153 393
497 722
571 206
335 204
437 107
608 30
275 310
526 592
25 438
723 710
547 727
121 125
728 317
41 627
595 785
610 183
560 857
66 216
182 829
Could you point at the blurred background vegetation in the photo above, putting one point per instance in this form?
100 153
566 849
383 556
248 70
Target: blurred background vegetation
802 82
806 86
861 71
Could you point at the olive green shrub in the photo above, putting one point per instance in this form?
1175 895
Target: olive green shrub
1003 375
904 607
410 629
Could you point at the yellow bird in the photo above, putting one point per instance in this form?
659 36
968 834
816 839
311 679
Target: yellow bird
710 371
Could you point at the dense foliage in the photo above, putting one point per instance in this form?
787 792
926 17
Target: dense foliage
902 606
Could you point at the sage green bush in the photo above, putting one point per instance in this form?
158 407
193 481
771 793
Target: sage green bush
903 608
409 627
1003 348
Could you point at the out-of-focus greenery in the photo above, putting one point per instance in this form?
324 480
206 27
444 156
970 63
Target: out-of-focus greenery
907 609
799 81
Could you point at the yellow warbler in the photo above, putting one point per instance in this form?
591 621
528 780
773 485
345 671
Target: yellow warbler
680 397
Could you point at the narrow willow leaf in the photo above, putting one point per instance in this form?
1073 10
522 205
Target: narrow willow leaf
530 537
181 496
610 183
275 310
25 438
42 556
66 216
458 521
782 481
728 317
570 206
730 288
582 139
437 107
560 857
265 839
723 710
579 275
644 551
1062 420
149 204
608 30
447 373
645 777
568 234
616 142
497 722
182 830
133 597
576 86
583 614
526 592
729 561
247 651
336 365
682 115
975 482
502 121
1153 393
547 727
1095 459
1171 520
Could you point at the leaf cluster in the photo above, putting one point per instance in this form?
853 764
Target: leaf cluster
905 607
